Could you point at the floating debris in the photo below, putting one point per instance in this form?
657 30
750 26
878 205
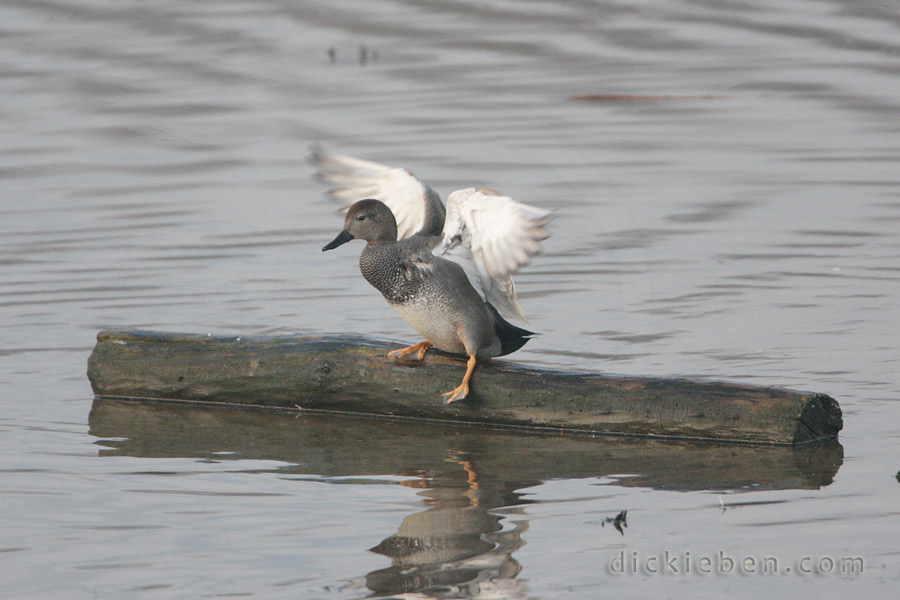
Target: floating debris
619 521
364 55
640 97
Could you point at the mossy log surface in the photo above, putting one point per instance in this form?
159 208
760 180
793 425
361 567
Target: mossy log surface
355 376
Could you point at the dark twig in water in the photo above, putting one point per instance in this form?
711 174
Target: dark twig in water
619 521
364 55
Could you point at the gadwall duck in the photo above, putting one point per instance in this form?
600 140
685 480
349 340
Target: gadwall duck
447 272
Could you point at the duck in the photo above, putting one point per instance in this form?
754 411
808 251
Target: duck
447 271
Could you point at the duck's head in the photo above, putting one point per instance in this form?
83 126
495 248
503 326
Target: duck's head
369 220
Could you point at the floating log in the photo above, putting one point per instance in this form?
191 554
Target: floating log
354 376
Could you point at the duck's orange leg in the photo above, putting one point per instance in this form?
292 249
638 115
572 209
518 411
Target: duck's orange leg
463 390
421 348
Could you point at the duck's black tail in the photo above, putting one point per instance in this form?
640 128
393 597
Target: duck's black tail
511 337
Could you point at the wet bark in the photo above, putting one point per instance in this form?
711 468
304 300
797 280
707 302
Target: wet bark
354 375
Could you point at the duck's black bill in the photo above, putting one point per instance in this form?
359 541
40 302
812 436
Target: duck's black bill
342 238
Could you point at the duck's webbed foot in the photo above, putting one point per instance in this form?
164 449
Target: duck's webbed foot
462 391
421 348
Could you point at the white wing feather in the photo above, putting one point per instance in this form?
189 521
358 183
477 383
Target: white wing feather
356 179
492 237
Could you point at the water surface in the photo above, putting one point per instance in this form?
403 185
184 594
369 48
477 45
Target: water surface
726 182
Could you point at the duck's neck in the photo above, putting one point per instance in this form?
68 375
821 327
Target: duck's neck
382 241
387 234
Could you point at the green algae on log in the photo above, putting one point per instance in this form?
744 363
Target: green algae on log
353 375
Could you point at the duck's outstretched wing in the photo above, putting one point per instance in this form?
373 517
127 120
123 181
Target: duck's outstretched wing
416 207
492 237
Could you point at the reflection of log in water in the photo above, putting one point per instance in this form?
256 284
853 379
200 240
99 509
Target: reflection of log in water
503 461
355 376
464 473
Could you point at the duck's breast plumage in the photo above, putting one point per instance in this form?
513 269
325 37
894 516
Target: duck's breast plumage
432 294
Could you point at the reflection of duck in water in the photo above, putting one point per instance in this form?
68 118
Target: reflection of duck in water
448 273
456 544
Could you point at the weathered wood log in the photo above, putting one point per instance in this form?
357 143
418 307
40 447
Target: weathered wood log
354 375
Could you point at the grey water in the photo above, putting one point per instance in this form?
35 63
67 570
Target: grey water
725 178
